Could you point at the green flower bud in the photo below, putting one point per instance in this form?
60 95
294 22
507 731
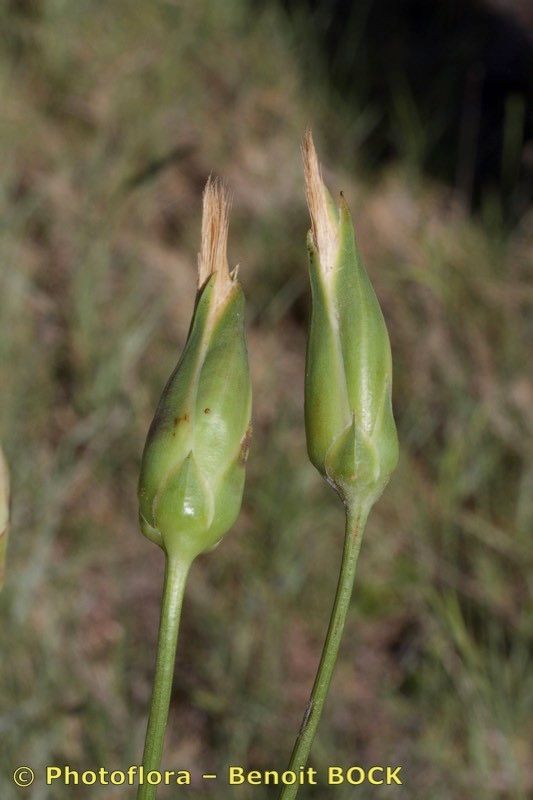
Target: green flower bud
193 464
351 435
4 514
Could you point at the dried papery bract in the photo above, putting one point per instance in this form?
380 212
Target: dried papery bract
213 256
324 222
193 465
4 514
350 430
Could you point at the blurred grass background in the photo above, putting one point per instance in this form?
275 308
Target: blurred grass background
113 116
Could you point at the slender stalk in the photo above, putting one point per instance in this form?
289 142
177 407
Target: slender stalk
175 577
355 524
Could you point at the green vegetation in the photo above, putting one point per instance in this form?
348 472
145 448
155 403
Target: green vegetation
193 463
349 424
113 116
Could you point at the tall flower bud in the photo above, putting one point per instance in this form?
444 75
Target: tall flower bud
351 435
4 514
192 472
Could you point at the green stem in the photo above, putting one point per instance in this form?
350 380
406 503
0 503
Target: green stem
355 524
175 577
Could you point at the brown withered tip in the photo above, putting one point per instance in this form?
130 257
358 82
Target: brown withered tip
212 258
323 227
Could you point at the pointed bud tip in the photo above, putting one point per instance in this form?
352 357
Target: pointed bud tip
323 228
213 259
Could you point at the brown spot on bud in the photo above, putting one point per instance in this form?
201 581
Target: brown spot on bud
245 446
178 420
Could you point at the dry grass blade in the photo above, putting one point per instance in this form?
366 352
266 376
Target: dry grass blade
4 514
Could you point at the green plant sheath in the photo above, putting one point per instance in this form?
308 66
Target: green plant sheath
176 571
193 464
349 424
